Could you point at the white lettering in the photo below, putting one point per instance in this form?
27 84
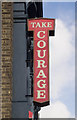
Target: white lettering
43 85
38 25
41 93
41 63
49 24
33 24
38 34
40 55
44 44
41 73
43 24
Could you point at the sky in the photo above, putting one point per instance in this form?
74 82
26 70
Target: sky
62 61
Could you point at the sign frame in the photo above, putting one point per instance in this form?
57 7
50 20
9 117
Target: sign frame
41 104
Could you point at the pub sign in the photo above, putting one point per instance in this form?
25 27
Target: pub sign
41 28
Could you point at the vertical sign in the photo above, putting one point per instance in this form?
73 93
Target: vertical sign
41 28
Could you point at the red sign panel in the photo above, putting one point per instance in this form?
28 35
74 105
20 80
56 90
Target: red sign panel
30 114
41 28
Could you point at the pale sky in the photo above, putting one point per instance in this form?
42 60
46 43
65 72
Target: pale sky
62 61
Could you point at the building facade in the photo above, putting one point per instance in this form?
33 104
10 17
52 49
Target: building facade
6 59
16 64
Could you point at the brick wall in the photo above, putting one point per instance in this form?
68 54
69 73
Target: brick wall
6 59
